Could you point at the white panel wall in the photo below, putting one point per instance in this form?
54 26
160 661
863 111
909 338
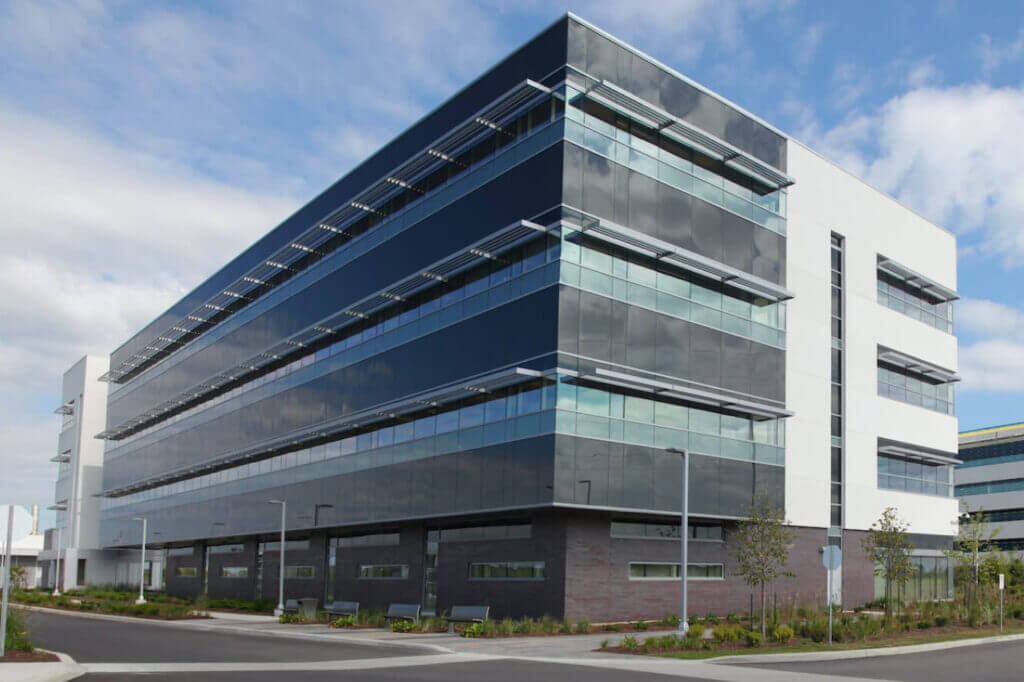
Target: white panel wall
826 199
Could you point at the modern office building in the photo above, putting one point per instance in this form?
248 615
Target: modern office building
75 536
990 481
469 367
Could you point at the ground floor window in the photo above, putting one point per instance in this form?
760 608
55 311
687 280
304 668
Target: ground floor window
234 572
507 570
929 581
670 571
186 572
383 572
299 572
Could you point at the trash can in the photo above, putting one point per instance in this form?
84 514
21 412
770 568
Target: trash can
307 608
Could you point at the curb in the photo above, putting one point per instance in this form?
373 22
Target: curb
860 653
65 669
197 624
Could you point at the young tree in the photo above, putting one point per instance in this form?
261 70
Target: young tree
972 541
888 545
761 548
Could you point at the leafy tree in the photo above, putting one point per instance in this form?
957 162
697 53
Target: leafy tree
972 541
761 548
888 546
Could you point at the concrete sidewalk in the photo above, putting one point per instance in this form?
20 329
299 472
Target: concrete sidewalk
65 669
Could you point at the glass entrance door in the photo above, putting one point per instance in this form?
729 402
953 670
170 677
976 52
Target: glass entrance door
430 574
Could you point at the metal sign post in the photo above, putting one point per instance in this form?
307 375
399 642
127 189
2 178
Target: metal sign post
1002 585
831 558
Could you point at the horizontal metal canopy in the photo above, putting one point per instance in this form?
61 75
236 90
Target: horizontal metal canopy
629 105
638 242
917 366
66 408
336 428
291 258
929 286
61 458
489 248
60 506
897 448
705 396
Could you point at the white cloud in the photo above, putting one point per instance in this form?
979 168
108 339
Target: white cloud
951 153
989 318
995 362
922 73
993 56
849 84
100 240
808 43
993 365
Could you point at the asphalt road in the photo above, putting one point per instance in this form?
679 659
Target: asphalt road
983 663
95 640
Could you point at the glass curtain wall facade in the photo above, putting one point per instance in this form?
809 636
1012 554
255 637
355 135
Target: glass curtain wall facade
516 307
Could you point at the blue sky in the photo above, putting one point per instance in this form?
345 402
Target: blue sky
147 143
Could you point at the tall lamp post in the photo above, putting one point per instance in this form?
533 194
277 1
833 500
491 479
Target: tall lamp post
280 575
684 536
56 580
142 563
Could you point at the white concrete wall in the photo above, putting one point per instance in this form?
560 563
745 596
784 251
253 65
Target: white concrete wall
81 385
826 199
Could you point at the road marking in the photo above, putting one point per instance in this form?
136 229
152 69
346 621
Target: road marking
360 664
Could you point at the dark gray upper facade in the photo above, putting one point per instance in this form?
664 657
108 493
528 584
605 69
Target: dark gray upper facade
522 301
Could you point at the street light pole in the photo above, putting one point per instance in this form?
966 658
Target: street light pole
7 581
56 580
142 564
280 576
684 536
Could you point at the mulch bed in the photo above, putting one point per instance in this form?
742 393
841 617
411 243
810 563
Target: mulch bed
29 657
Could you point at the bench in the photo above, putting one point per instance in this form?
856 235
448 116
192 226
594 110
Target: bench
336 609
403 612
467 614
291 606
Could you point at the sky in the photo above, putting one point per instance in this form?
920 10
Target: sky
145 144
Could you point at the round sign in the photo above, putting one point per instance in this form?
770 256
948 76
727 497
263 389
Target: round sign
831 557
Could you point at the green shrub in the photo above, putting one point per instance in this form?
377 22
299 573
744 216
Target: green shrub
547 625
725 634
604 643
289 618
731 618
923 624
783 634
402 625
711 619
507 627
695 633
526 626
16 637
613 627
941 621
490 628
753 638
630 642
640 625
583 626
343 622
473 630
566 626
666 643
670 620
